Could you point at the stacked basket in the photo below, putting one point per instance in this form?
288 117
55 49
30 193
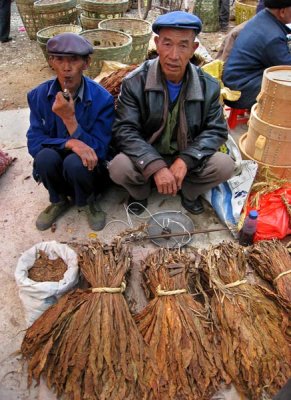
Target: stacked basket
268 140
55 12
140 31
108 45
26 12
94 11
244 10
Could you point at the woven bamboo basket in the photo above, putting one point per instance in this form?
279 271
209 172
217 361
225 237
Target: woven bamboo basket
274 99
108 45
89 22
55 12
105 9
27 14
45 34
208 12
244 10
140 31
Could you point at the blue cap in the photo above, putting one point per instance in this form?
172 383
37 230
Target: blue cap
178 20
67 44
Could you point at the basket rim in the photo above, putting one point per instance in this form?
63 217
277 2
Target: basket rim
133 34
245 3
39 33
108 3
40 2
108 30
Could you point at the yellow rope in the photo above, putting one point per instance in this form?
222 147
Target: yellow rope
282 274
121 289
161 292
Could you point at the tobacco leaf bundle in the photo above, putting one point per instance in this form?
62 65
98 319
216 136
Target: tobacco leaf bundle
178 332
87 346
271 260
248 325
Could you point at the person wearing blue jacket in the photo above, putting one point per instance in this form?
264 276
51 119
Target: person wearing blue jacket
69 133
261 44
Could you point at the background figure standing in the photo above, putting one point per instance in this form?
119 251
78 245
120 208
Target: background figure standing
223 15
5 14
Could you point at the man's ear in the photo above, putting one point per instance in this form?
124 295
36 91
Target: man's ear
156 40
195 46
87 63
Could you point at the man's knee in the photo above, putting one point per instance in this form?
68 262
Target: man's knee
222 166
47 159
120 168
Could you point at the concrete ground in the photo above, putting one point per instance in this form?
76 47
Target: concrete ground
21 200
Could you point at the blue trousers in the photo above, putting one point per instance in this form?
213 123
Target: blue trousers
63 174
5 13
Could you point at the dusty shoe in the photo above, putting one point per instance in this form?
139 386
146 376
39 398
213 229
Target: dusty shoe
47 217
136 207
193 206
96 217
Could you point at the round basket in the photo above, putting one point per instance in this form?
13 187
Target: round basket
55 12
108 45
208 12
45 34
106 8
89 22
244 10
140 31
27 14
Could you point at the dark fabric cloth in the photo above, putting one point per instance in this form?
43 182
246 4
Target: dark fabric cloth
5 15
285 392
224 13
277 3
142 110
63 174
261 44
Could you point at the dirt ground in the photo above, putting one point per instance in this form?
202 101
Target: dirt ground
23 65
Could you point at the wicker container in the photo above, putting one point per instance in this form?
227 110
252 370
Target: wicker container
45 34
267 143
108 45
55 12
279 171
140 31
208 12
274 99
105 9
27 14
88 22
244 10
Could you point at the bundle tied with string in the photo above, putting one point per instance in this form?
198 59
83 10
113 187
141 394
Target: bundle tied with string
178 332
249 327
87 346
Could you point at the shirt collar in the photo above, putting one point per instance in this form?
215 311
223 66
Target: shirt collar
56 87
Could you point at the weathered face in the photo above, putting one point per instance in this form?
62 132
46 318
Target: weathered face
175 48
69 70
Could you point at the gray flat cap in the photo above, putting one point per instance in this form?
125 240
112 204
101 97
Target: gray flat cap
66 44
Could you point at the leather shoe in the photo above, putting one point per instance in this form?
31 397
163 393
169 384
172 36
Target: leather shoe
193 206
136 207
6 40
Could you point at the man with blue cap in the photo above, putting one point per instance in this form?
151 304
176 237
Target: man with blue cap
70 129
169 123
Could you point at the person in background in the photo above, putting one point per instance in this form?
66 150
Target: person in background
261 44
224 14
5 15
70 128
169 122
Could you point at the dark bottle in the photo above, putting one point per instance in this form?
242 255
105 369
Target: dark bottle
247 232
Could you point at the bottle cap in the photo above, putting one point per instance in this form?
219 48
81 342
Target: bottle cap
253 214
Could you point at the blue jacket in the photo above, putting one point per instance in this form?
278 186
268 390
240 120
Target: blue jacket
261 44
94 115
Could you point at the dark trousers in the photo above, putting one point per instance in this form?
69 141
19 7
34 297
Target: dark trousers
223 13
63 174
5 14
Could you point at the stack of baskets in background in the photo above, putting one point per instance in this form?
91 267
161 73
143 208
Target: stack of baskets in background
55 12
208 12
268 140
94 11
244 10
26 12
140 31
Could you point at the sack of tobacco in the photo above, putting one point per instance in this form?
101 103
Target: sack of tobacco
43 274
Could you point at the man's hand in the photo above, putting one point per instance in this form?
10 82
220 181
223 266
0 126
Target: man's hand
66 111
179 171
165 181
86 153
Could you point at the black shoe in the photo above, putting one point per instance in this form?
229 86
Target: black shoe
193 206
6 40
136 207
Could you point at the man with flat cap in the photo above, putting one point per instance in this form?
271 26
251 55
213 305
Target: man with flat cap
70 129
261 44
169 123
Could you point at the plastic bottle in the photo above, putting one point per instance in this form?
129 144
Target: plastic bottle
247 232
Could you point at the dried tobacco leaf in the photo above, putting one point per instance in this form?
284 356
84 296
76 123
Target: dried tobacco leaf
271 260
46 270
87 346
178 332
248 325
